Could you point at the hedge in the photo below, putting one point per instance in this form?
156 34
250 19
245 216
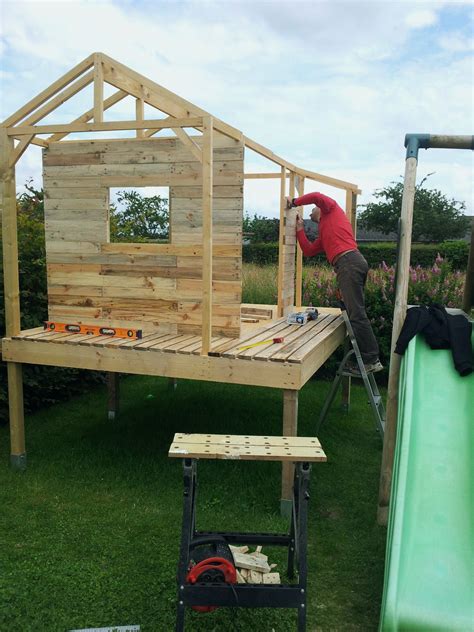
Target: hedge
424 255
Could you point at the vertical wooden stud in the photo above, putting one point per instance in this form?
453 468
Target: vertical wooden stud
140 115
351 209
290 429
401 295
12 297
351 206
113 395
281 243
299 252
98 89
207 178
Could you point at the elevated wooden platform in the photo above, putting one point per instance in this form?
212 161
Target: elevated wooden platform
286 365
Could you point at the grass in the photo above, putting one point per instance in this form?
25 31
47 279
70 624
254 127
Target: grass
90 532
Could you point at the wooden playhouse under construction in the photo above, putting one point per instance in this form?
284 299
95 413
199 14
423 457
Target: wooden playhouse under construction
185 295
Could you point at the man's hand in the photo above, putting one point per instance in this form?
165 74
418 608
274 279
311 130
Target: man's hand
289 202
299 222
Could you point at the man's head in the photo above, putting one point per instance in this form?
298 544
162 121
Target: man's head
315 214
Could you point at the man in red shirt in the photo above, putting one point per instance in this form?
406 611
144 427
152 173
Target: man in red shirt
336 240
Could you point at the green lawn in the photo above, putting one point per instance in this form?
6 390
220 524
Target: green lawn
90 532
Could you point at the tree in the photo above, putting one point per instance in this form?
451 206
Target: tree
435 218
139 218
260 229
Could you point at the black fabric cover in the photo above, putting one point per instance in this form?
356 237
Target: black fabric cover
441 331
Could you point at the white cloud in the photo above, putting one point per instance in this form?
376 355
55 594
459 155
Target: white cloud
421 18
331 86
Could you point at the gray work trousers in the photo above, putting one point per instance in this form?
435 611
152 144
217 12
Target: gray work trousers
351 271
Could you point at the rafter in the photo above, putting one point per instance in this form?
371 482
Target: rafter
50 91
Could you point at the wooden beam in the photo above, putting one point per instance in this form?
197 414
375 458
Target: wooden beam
61 98
49 91
281 241
35 141
11 295
113 395
16 416
401 294
70 128
138 85
9 236
98 89
140 115
351 209
290 429
190 144
87 116
19 150
207 172
182 366
334 182
261 176
299 252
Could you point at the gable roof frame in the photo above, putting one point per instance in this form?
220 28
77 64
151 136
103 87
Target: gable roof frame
128 82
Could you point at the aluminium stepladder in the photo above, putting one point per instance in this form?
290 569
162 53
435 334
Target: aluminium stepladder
375 399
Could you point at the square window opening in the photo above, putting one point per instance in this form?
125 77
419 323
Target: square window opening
139 214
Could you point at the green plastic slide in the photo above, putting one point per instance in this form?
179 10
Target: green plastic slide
429 571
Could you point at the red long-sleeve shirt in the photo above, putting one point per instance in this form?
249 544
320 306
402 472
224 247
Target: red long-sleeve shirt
335 230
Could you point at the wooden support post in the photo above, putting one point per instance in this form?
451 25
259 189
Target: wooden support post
98 89
290 429
401 294
207 172
12 297
351 205
299 252
113 395
281 244
351 209
468 300
140 115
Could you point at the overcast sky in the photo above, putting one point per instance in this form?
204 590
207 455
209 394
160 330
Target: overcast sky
331 86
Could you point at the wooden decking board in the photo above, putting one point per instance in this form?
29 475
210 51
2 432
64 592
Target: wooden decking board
251 354
262 334
300 354
28 332
305 338
176 346
147 341
288 365
162 343
194 344
292 337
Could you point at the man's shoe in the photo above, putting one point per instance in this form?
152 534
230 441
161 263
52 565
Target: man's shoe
371 367
374 367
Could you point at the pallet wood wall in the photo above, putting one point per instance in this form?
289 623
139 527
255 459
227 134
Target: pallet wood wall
154 287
